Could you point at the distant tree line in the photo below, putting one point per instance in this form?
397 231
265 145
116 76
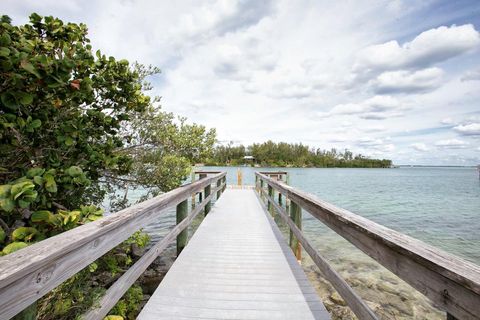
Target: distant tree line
282 154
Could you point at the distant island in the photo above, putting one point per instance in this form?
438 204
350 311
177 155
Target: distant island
282 154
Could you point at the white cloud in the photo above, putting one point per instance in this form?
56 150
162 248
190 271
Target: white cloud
375 108
471 75
372 145
419 146
452 144
428 48
472 129
283 70
377 128
406 81
447 121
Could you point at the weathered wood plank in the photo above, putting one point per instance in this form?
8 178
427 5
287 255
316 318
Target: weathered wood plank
296 216
353 300
118 289
181 214
235 267
450 282
30 273
207 192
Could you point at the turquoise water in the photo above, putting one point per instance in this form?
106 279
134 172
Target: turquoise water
440 206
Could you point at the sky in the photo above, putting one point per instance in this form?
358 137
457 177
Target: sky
390 79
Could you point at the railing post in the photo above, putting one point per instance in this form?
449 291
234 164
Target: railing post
200 195
224 183
261 188
270 205
280 200
192 176
256 183
296 216
182 213
239 177
219 192
209 203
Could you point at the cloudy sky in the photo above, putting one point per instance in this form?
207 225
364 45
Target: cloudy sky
394 79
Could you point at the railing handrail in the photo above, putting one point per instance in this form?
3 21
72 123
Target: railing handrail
30 273
449 281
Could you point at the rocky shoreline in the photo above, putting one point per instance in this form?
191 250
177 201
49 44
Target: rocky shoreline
387 295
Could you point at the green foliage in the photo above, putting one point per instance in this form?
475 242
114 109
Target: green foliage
74 126
113 317
163 149
62 107
82 292
271 154
14 246
129 302
74 297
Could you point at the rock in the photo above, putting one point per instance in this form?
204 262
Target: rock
342 313
150 280
354 282
137 252
385 287
390 278
105 278
335 297
329 305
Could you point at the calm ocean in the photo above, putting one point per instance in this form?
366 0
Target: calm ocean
438 205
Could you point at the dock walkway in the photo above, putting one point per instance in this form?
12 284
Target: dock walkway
236 266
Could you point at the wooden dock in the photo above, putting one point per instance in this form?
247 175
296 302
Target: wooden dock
236 266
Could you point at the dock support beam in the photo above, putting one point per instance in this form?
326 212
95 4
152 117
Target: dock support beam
219 192
182 213
296 216
207 192
270 205
200 197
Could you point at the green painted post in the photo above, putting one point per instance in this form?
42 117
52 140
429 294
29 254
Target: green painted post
209 204
287 201
256 183
280 200
200 195
261 188
270 205
224 184
192 177
219 192
182 213
296 216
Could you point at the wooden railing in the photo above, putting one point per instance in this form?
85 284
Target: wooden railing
30 273
452 283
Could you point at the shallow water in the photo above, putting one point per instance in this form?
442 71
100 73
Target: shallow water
440 206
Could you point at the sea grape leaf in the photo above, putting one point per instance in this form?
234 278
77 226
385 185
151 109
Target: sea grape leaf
14 246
